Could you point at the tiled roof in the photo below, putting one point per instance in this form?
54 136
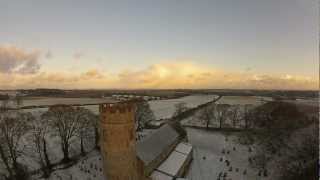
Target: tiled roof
151 147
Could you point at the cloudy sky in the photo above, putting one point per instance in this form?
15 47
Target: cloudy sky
84 44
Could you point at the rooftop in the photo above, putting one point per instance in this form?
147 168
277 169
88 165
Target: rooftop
172 166
152 147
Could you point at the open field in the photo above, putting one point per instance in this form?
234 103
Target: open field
209 161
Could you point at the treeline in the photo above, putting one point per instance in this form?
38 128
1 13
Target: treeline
42 92
4 97
286 94
100 93
285 137
25 136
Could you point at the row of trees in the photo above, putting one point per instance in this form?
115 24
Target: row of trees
22 132
237 115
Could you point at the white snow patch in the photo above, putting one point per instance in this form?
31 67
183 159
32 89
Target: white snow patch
164 109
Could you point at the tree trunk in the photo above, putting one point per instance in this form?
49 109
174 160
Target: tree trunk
65 150
46 157
245 123
5 160
46 172
16 168
96 138
235 122
18 171
44 169
83 153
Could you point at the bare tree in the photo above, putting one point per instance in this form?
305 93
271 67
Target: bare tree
86 116
248 115
18 101
180 108
39 147
4 106
143 115
221 113
94 122
13 126
208 114
66 124
235 115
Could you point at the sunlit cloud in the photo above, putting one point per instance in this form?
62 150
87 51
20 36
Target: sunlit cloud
162 75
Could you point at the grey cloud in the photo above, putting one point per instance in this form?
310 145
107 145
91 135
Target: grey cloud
15 60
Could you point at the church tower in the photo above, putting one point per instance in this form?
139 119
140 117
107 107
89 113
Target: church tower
118 141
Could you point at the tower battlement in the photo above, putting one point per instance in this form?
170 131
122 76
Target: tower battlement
122 107
118 113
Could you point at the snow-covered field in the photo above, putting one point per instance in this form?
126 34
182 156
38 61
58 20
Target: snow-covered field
164 109
210 161
161 108
208 146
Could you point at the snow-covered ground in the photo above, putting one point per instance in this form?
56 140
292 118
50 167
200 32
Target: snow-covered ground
210 161
54 150
88 168
164 109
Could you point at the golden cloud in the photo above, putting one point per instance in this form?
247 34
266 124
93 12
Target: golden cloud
165 75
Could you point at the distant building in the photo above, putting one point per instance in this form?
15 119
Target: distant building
164 155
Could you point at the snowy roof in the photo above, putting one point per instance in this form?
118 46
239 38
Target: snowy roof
184 148
173 164
152 147
156 175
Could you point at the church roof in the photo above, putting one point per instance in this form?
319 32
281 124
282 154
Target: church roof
153 146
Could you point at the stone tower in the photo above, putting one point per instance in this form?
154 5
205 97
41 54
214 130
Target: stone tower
118 141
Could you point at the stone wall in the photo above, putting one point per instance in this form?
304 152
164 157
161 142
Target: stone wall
118 143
